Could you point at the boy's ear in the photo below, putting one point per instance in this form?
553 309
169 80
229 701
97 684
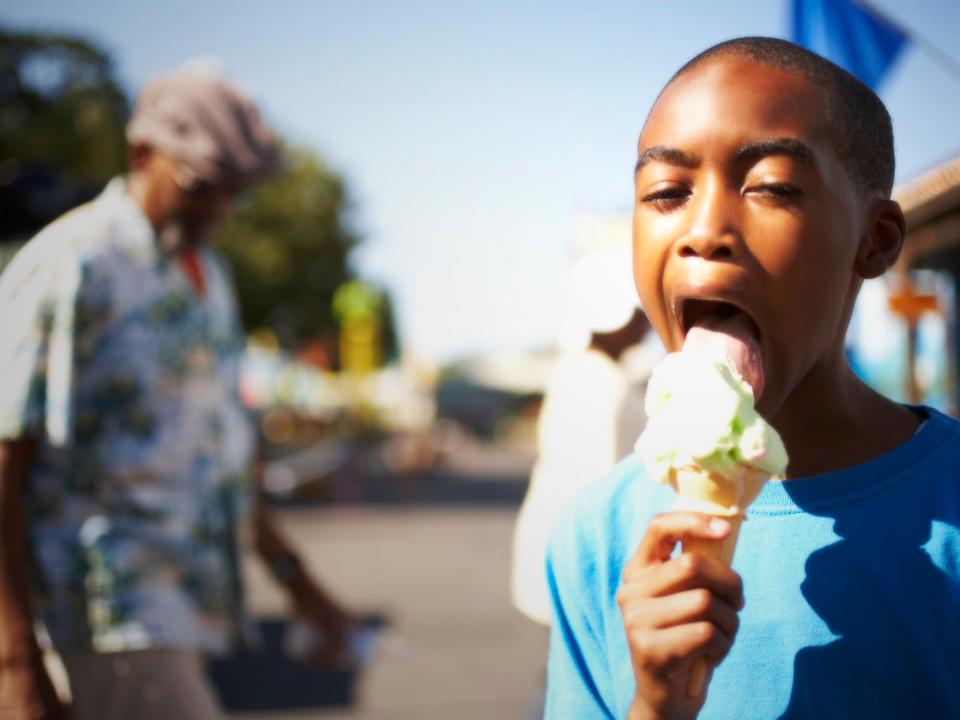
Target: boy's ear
883 239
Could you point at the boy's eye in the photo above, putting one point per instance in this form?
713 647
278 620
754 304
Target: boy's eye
666 200
780 191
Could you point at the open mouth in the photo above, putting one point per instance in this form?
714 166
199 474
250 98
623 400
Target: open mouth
694 311
723 329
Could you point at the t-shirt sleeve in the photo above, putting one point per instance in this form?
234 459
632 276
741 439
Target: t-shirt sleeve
37 297
575 668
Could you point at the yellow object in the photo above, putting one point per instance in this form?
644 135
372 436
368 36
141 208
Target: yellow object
357 306
360 346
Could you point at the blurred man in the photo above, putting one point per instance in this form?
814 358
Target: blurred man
124 452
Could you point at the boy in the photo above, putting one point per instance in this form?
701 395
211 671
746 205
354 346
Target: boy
763 191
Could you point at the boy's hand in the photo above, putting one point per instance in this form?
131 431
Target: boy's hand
675 610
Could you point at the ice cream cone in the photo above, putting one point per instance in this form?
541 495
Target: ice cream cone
699 490
726 495
705 438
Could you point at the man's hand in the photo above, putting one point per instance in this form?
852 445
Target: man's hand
674 610
331 623
310 600
26 692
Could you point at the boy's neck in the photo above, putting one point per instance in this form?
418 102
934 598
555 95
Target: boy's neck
832 425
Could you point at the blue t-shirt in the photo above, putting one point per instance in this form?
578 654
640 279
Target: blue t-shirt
851 580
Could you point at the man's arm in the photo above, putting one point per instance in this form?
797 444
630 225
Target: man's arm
309 598
25 687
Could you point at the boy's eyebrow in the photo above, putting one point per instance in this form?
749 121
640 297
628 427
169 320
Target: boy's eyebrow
751 151
776 146
664 154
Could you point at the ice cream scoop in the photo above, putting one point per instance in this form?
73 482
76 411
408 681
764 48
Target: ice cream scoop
705 439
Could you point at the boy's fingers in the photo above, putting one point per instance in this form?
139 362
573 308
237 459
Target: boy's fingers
686 572
690 571
680 609
671 650
666 530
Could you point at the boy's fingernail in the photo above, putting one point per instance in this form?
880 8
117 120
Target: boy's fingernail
718 526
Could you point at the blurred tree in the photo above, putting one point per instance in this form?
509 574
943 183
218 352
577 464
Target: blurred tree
62 119
287 244
388 326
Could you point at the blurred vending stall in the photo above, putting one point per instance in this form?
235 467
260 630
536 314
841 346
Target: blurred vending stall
924 281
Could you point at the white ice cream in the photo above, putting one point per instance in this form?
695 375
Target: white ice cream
700 414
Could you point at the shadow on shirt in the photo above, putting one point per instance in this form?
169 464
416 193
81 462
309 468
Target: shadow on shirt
897 616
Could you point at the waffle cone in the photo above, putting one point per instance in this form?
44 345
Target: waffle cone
700 490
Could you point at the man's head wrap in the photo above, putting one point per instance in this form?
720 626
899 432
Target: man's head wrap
206 123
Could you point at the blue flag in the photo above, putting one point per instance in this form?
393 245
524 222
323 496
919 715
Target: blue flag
855 39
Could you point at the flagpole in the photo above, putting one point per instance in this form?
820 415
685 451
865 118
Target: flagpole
946 62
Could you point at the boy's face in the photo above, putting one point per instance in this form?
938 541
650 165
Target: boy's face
742 206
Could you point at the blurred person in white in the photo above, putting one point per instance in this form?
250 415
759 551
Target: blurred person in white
126 459
592 412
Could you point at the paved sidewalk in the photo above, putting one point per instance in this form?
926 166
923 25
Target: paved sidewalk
457 648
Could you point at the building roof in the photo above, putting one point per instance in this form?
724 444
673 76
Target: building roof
931 194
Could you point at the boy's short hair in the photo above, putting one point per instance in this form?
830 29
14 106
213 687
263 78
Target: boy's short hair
861 127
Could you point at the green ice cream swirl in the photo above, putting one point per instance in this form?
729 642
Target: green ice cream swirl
700 412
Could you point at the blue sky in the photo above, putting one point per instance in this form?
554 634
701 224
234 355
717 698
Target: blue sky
474 135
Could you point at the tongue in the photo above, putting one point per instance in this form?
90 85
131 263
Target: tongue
732 338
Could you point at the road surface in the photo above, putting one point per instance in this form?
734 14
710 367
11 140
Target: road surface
457 648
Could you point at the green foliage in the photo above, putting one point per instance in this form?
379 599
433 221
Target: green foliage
61 106
287 245
7 251
390 342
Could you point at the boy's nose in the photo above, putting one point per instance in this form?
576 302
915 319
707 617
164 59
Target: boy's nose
709 246
713 233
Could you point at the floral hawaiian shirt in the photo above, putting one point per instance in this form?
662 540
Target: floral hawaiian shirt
127 379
